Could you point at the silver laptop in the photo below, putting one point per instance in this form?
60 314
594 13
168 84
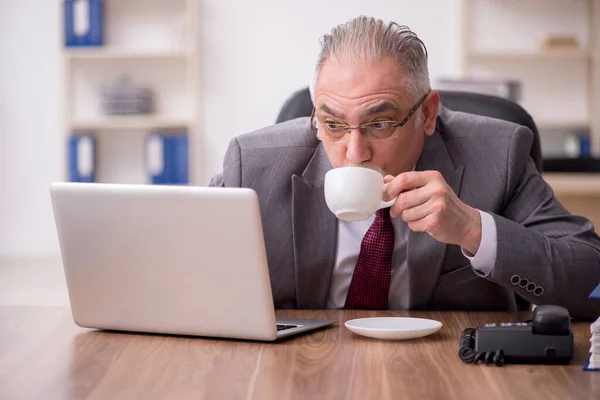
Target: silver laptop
168 259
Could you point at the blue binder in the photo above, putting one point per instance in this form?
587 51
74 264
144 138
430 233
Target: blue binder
585 146
83 21
82 158
167 158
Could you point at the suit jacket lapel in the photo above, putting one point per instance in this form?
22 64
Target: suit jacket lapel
425 255
315 233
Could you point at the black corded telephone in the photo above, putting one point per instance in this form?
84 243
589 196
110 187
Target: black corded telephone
548 339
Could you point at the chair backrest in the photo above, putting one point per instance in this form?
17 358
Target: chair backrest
495 107
299 104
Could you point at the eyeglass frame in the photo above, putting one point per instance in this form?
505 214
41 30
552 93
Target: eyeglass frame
348 129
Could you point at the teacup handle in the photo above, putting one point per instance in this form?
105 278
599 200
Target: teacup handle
385 204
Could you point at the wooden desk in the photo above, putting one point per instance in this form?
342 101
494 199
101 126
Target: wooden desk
578 193
43 355
574 184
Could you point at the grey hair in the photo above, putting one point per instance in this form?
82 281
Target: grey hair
365 39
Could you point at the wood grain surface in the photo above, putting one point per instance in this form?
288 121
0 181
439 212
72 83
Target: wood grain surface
44 355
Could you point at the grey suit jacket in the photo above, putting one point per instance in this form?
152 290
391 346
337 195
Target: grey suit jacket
485 161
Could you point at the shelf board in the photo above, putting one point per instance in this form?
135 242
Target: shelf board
122 54
130 122
575 54
562 125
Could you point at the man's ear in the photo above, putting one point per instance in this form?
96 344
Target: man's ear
430 110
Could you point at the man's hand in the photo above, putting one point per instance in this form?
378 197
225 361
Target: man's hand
428 204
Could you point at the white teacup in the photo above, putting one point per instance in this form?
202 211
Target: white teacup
355 193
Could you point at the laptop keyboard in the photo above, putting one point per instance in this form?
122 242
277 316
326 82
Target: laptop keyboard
281 327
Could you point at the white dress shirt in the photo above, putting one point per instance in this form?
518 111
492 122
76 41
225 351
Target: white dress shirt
350 235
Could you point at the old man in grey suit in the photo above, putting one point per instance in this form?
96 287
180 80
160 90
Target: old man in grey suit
474 222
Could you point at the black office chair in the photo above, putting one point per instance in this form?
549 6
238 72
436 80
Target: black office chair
299 104
495 107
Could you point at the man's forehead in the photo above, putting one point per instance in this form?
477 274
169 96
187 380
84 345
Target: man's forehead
357 78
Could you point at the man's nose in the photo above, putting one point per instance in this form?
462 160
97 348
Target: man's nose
358 150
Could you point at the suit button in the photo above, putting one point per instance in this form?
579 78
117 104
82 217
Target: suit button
524 282
531 287
538 291
515 279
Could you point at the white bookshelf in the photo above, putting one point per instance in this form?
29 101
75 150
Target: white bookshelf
156 44
501 39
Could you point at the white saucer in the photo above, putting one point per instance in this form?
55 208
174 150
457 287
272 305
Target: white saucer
393 328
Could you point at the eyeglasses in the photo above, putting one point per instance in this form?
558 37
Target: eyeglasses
373 131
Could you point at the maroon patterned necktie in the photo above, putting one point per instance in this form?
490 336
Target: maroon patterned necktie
370 285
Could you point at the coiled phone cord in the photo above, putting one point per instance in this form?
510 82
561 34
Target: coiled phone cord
468 354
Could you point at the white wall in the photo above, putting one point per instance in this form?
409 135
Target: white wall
255 54
30 116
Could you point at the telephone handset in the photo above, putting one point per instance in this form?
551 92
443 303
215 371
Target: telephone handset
548 339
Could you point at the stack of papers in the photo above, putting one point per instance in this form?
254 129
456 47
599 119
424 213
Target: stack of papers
594 361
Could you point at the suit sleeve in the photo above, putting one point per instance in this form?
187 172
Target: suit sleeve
232 168
545 254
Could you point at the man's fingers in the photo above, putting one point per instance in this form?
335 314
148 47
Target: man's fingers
417 212
410 180
411 198
430 224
